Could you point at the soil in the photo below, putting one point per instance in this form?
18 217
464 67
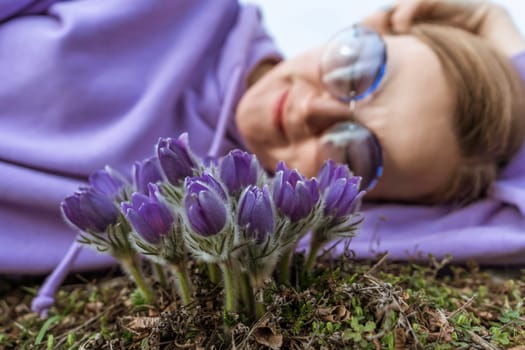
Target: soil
344 304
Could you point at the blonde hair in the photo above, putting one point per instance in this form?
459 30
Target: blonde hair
489 119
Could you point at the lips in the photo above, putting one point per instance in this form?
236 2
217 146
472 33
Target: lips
278 111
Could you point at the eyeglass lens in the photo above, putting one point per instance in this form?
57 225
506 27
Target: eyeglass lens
353 144
352 67
353 63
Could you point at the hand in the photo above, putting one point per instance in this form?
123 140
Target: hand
488 20
468 15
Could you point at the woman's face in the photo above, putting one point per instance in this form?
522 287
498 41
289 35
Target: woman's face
285 113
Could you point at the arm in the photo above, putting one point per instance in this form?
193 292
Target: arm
488 20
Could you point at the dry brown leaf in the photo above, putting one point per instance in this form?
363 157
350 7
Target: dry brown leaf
400 339
334 314
267 336
141 323
521 347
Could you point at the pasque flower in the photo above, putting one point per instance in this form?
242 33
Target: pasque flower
341 198
257 223
205 204
150 218
146 172
176 160
330 172
93 208
340 189
90 210
109 182
239 169
256 213
293 194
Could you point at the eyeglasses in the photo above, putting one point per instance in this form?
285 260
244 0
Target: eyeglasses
352 67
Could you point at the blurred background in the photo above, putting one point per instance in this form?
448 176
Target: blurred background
298 25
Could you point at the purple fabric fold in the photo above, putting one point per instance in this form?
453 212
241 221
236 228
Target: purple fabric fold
89 83
13 8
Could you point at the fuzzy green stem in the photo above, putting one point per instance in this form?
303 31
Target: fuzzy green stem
184 286
260 309
131 265
247 294
160 274
213 272
312 256
284 267
229 291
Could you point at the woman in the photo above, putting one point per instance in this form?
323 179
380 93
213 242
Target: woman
450 118
87 84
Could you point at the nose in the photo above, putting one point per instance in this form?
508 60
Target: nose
319 113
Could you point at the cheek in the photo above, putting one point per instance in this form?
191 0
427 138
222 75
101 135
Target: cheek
304 156
253 117
417 164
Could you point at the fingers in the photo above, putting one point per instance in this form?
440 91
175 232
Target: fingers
379 21
400 17
404 13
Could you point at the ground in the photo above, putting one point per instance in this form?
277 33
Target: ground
345 304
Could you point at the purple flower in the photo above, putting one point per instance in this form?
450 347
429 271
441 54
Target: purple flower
342 197
238 169
90 210
340 189
330 172
150 218
256 212
205 205
293 194
175 158
146 172
109 182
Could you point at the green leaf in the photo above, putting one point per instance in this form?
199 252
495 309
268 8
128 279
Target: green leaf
49 322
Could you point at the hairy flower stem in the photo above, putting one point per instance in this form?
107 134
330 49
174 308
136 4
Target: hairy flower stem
284 267
160 274
247 294
312 256
213 272
260 309
184 286
229 291
131 266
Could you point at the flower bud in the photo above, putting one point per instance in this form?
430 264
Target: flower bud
205 203
256 213
150 218
146 172
90 210
109 182
238 169
175 158
342 197
293 194
330 172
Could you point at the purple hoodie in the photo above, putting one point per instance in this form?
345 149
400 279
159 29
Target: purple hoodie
86 83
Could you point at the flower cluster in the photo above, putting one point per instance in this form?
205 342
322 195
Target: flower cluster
226 213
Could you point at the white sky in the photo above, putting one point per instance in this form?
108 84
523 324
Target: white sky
298 25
